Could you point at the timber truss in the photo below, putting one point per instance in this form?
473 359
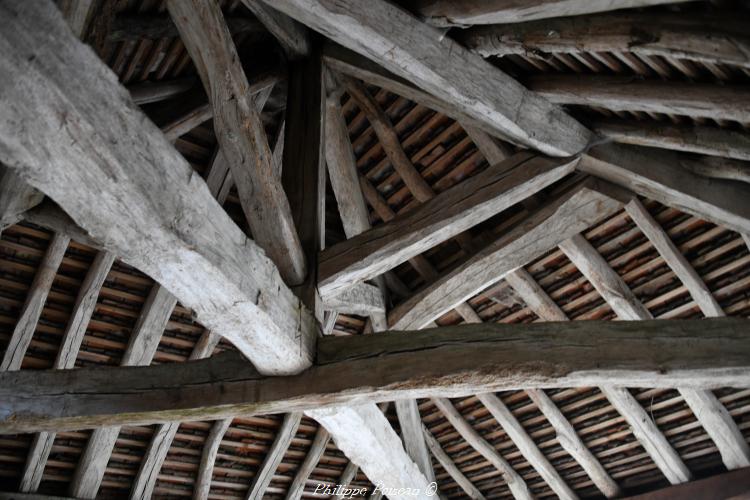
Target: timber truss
244 204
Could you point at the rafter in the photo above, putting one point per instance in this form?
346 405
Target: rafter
463 360
275 454
450 467
448 214
411 49
208 458
313 456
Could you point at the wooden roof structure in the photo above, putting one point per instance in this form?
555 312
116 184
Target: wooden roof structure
218 217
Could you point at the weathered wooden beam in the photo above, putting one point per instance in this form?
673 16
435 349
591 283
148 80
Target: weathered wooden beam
78 15
83 309
148 92
362 299
140 351
690 139
448 214
32 308
467 12
458 361
571 211
573 444
409 48
127 27
730 485
665 177
275 455
515 482
410 423
618 93
192 245
528 448
16 197
208 458
240 133
450 467
648 434
703 37
367 439
292 36
313 456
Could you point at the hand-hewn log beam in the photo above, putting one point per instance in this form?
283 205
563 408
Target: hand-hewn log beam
72 338
618 93
457 361
448 214
240 133
16 197
275 455
402 44
450 467
660 176
691 139
179 235
698 37
410 423
466 12
572 211
528 448
313 456
32 308
515 482
208 458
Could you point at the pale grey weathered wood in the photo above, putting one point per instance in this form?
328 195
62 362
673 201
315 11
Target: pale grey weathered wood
618 93
702 36
362 299
34 303
83 308
573 444
463 12
535 296
241 134
402 44
313 456
450 467
526 445
659 175
16 197
410 423
208 457
367 438
542 230
193 247
648 434
515 482
446 215
275 455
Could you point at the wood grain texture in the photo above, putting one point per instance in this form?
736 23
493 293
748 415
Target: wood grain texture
240 133
367 439
178 235
93 462
458 361
410 423
409 48
156 453
313 456
515 482
648 434
275 455
34 303
705 37
690 139
446 215
450 467
208 457
624 93
663 176
16 197
538 233
573 444
467 12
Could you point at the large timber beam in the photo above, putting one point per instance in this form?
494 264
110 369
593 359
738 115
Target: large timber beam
443 362
668 178
570 212
417 52
466 12
382 248
144 201
700 37
16 197
241 134
617 93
